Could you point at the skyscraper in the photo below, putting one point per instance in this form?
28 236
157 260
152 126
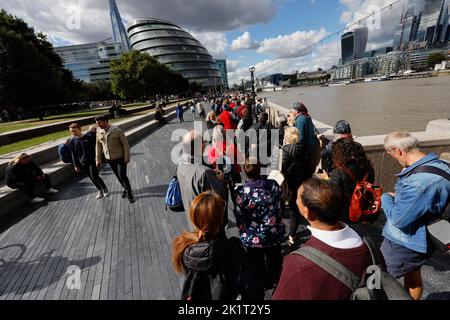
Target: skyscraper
354 44
119 33
222 65
429 24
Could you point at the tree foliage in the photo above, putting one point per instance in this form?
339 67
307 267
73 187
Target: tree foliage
32 74
436 58
138 76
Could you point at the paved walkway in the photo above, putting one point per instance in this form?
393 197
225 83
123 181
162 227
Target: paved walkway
123 250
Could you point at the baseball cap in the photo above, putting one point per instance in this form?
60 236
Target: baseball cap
342 127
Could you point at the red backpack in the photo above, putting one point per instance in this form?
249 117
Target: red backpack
365 202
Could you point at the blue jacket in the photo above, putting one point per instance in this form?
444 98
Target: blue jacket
307 131
419 198
180 111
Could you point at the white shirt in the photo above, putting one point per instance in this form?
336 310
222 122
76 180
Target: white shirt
346 238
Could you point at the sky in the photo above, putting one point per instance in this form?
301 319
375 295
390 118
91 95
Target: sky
272 35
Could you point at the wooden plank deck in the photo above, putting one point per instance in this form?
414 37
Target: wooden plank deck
123 250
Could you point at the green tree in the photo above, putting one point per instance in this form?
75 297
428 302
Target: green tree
32 74
138 76
436 58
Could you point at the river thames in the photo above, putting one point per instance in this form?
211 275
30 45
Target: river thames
377 107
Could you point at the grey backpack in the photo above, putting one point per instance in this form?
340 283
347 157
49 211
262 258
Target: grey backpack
363 288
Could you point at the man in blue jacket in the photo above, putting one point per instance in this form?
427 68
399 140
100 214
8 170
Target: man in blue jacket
419 199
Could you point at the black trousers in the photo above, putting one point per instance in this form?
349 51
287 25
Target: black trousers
30 185
181 118
262 273
92 172
120 170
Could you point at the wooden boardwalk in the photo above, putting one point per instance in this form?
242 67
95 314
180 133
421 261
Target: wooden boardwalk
123 250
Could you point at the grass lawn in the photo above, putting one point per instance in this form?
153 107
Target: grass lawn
30 123
17 146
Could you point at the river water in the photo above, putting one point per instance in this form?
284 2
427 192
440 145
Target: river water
377 107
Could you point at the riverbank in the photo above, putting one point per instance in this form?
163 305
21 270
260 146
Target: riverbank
374 108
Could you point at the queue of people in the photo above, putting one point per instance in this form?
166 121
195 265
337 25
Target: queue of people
320 201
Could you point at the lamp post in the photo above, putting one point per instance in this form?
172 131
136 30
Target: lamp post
243 87
252 73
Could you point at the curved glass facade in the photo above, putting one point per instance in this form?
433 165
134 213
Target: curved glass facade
354 44
176 48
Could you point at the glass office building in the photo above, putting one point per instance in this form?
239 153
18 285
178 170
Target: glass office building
354 44
431 16
90 62
176 48
222 65
119 33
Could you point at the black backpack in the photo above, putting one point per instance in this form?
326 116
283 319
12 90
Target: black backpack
222 283
362 288
438 230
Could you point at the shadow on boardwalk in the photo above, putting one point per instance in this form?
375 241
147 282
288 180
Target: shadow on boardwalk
19 277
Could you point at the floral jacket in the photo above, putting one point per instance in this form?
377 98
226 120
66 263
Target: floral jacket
258 214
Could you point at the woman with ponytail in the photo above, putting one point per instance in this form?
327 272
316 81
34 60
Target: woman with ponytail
212 263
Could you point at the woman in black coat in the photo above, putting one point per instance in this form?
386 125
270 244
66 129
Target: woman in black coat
23 174
296 169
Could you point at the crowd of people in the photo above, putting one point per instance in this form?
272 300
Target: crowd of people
87 152
218 267
218 175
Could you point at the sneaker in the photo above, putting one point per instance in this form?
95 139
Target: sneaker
131 198
124 194
37 200
52 190
106 193
99 195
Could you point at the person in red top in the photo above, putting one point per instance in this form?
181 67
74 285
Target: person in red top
320 202
226 119
241 110
220 148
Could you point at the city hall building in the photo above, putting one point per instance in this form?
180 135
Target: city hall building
176 48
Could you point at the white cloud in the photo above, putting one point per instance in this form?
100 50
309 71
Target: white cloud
215 42
244 42
51 16
296 44
233 65
326 55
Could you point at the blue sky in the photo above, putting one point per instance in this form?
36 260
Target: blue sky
269 34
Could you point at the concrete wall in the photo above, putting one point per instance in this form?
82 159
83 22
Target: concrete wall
48 152
24 134
436 139
11 200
